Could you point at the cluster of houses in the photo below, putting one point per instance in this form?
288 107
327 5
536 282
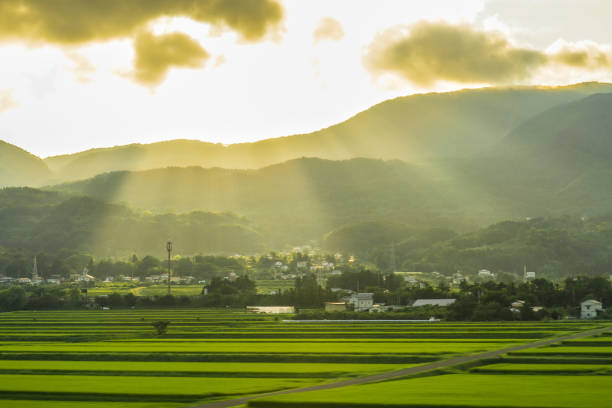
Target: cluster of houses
36 279
364 302
422 279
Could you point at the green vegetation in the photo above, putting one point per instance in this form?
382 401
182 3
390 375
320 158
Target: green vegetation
554 247
161 326
57 223
459 390
18 167
523 379
209 354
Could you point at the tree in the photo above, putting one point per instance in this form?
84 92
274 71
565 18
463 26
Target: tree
13 298
183 267
161 326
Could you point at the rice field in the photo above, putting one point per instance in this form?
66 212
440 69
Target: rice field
262 286
569 374
113 357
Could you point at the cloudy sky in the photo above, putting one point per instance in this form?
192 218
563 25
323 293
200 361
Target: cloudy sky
78 74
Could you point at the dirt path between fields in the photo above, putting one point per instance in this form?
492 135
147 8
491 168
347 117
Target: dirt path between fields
407 371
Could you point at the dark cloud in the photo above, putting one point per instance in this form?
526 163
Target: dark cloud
155 55
75 22
427 52
328 29
81 21
585 55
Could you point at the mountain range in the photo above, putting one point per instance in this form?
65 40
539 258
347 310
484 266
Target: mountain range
460 160
415 128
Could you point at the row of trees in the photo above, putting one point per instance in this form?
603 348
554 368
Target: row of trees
17 264
478 302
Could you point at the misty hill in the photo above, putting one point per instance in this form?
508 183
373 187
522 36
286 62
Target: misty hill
35 220
414 128
303 199
19 168
557 162
554 247
582 128
559 159
368 238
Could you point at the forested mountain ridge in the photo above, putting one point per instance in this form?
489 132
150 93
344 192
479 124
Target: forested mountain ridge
302 199
555 163
18 167
559 160
35 220
415 128
554 247
42 222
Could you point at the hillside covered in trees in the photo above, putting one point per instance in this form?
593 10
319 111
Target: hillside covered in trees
554 247
35 220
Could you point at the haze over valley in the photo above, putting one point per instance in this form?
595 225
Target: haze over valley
457 162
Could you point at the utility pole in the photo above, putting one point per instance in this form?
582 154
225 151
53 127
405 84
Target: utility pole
393 267
169 249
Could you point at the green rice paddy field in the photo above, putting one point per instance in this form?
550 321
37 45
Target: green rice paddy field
113 359
263 286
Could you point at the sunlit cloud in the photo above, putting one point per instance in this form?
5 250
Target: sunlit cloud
78 22
582 54
328 29
81 67
426 52
155 55
429 52
7 101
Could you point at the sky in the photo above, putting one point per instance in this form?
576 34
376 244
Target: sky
98 73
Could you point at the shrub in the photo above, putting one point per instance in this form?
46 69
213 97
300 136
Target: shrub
161 326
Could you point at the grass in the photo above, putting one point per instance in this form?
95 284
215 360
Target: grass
267 286
459 390
281 347
122 387
86 404
546 368
284 370
263 286
112 357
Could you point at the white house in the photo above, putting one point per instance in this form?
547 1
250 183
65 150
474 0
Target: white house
485 273
589 309
361 301
433 302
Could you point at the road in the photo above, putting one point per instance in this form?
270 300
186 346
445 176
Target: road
407 371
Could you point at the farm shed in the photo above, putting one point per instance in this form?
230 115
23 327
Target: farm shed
433 302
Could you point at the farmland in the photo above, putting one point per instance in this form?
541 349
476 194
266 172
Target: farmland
263 286
112 358
568 374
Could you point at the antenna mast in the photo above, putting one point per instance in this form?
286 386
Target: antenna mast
169 249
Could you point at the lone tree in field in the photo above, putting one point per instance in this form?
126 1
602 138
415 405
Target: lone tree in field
161 326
